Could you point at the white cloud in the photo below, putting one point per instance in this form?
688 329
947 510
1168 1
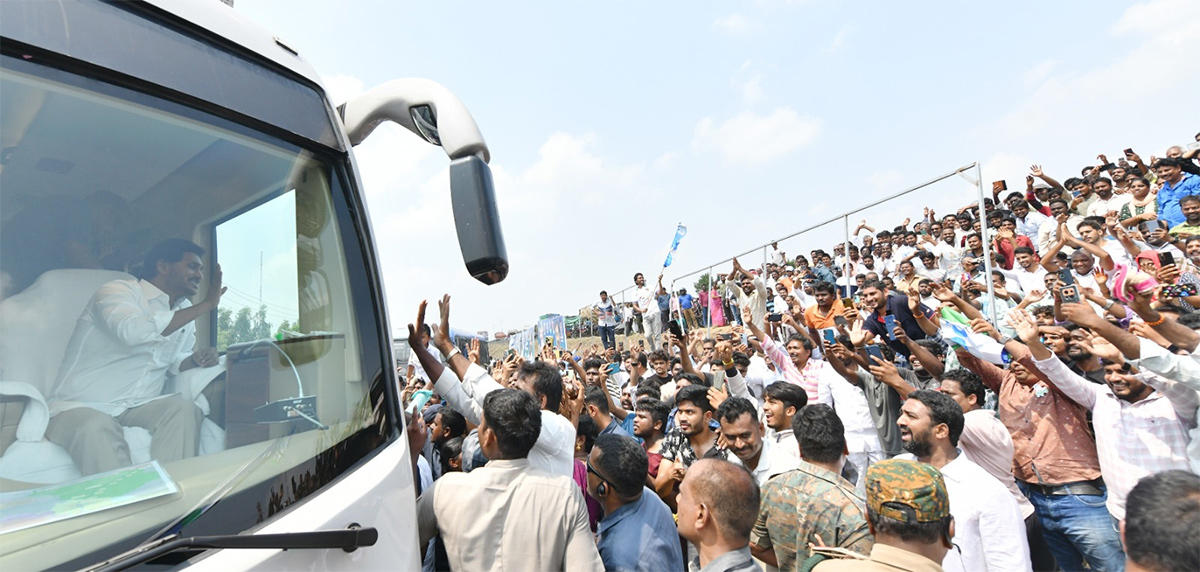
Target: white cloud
1038 73
752 138
667 160
733 25
839 39
748 81
1060 102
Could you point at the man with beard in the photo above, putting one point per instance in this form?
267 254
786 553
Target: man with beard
1028 221
637 531
1139 431
1176 185
691 439
1190 205
1048 231
1106 201
132 336
1082 361
1054 458
742 435
751 294
988 526
645 310
986 442
1158 236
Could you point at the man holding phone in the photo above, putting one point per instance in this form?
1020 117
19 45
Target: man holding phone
823 314
889 311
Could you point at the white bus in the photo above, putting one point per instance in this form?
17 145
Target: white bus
123 124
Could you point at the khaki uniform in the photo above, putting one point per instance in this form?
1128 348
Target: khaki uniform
883 558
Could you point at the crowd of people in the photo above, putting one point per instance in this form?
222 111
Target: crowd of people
888 404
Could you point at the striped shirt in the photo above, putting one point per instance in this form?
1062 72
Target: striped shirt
806 378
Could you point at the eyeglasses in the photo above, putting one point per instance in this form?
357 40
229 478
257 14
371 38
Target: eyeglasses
598 475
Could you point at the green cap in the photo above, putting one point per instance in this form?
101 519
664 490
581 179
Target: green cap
917 487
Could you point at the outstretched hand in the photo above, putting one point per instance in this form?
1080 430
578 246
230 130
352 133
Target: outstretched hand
416 330
441 334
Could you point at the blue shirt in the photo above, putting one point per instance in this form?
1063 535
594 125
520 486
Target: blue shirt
614 427
685 301
824 274
897 306
1168 198
664 303
640 535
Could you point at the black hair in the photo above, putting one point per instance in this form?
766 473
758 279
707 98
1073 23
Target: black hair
1090 222
647 389
820 433
696 394
1023 250
1190 320
730 492
658 355
639 358
935 347
595 396
787 393
1042 311
592 363
623 462
587 429
804 341
942 409
692 378
449 449
740 358
922 532
170 251
547 381
514 417
823 286
1057 200
969 382
1162 521
1167 162
604 292
734 408
635 276
1190 199
454 421
876 284
658 410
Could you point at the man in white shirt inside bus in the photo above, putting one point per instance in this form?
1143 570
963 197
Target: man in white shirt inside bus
132 336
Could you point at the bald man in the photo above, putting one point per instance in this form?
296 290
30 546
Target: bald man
718 504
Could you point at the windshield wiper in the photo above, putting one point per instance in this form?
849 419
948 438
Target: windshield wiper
349 540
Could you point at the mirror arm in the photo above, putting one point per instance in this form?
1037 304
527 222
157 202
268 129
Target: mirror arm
453 127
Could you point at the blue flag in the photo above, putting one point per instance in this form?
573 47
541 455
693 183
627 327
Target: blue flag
680 232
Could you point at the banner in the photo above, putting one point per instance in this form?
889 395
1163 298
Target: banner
525 344
680 232
554 330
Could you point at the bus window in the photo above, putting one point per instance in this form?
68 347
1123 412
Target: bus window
279 385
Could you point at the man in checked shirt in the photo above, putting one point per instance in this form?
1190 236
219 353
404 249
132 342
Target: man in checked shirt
1054 457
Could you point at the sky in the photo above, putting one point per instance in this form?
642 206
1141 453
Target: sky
611 122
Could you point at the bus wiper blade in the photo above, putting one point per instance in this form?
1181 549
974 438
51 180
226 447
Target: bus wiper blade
349 540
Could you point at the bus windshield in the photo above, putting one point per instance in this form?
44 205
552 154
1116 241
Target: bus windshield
136 399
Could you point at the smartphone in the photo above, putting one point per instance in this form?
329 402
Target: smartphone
848 303
1128 151
874 351
1178 290
775 318
724 336
612 368
841 321
1070 295
999 186
1166 258
830 335
1066 277
889 322
676 331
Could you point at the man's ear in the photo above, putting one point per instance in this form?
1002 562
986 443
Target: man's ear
941 431
793 411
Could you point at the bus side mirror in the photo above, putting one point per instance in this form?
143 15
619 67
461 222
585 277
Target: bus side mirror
477 220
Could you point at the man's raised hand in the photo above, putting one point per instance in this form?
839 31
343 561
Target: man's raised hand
441 334
415 330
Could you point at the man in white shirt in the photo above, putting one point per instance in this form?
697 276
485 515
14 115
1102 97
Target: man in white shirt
132 336
1028 274
777 256
1048 231
1106 201
742 433
415 371
989 532
751 294
554 450
862 439
987 442
645 304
